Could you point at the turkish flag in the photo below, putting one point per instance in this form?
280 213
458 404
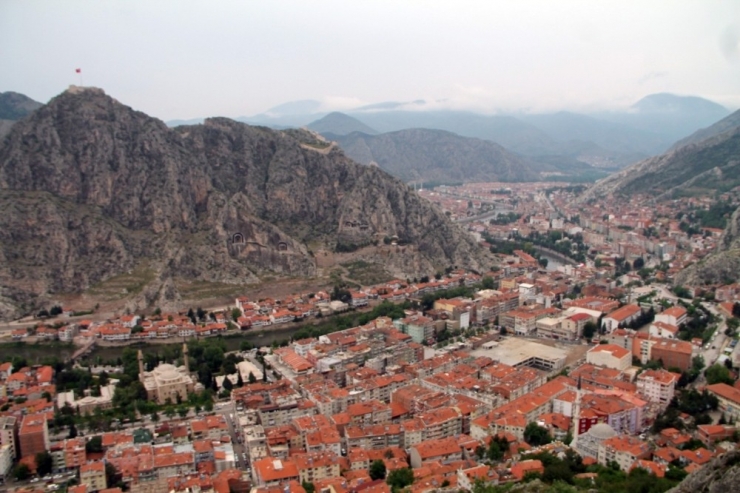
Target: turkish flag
78 70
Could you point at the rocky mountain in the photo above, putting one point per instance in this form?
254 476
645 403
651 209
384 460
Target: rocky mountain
720 475
13 107
437 156
710 165
91 189
724 125
722 266
337 123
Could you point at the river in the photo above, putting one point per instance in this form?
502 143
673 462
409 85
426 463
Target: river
554 259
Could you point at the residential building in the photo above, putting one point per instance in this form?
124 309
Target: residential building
621 317
33 436
9 433
675 315
609 356
673 353
657 385
729 399
444 450
92 475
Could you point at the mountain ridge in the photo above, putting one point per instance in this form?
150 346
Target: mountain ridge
436 155
217 202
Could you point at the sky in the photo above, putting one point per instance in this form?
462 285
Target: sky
187 59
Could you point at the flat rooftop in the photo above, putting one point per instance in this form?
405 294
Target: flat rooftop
514 351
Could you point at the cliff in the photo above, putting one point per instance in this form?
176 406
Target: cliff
94 189
722 266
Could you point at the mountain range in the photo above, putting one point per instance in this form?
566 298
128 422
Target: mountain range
423 155
706 161
91 189
603 139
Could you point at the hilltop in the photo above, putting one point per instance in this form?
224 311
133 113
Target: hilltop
92 189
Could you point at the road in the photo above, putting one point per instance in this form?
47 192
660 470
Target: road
228 411
483 217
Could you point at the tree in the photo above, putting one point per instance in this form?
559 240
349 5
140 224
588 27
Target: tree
21 472
589 330
487 282
235 314
72 431
309 487
111 474
377 470
497 448
535 435
543 261
227 385
94 445
639 263
252 378
400 478
44 463
718 374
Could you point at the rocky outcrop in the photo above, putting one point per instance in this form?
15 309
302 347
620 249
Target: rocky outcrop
721 267
91 189
704 167
721 475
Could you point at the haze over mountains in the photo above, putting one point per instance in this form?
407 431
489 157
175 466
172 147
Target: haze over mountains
91 189
565 144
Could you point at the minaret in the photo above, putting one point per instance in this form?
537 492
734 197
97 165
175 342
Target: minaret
185 357
141 364
577 414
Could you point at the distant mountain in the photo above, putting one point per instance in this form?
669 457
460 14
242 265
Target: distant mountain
606 140
92 190
287 115
191 121
567 127
507 131
722 126
13 107
710 165
437 156
340 124
668 115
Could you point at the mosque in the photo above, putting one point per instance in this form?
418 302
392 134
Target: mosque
168 383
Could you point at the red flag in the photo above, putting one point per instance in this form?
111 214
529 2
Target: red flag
78 70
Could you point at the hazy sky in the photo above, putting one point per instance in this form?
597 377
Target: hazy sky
184 59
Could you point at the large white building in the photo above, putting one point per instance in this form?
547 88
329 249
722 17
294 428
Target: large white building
609 356
167 383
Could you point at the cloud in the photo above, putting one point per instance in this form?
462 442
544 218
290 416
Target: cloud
340 103
651 76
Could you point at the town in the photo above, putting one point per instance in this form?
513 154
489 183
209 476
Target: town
573 359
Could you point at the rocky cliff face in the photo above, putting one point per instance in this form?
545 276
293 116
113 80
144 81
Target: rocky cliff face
93 189
723 266
704 167
721 475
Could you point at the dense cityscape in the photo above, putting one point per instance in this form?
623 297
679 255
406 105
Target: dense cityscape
572 357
